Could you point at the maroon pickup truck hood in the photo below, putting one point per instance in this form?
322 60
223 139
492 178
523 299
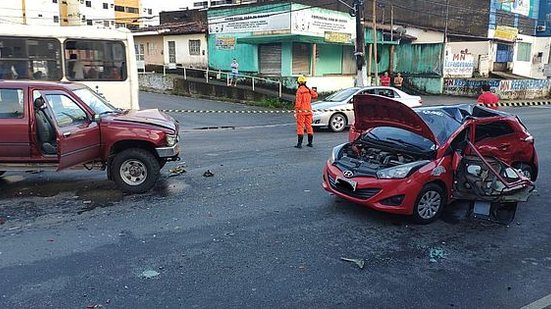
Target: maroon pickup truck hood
148 116
373 111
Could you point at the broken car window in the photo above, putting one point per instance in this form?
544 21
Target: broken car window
494 129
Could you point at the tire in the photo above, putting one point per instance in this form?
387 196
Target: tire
338 122
135 170
429 204
527 170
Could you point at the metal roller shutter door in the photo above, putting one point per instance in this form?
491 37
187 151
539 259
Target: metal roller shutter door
301 58
270 59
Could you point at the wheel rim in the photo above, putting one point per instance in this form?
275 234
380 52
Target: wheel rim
337 122
133 172
429 204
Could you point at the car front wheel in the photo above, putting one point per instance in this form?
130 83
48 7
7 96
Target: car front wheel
337 122
429 204
526 170
135 170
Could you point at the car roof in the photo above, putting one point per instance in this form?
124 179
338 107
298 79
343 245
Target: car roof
40 84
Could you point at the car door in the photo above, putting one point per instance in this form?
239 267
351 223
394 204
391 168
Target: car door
14 119
78 137
498 138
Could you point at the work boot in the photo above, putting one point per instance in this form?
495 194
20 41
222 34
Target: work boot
299 141
310 139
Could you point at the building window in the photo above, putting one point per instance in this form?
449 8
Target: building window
119 8
195 47
105 6
89 22
150 11
171 52
120 25
139 52
132 10
54 1
88 4
524 51
106 23
56 19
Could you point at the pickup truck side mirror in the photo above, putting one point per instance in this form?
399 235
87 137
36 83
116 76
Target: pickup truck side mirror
97 118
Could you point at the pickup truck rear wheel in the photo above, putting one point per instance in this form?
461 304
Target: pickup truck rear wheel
135 170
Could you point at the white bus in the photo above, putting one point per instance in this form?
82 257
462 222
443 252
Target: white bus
102 59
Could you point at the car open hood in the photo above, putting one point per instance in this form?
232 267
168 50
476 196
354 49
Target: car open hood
148 116
377 111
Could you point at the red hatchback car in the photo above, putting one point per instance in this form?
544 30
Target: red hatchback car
416 161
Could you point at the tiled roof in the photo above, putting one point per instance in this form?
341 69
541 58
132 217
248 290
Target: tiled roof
173 28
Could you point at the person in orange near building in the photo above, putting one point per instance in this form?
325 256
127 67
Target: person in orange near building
385 79
303 111
487 98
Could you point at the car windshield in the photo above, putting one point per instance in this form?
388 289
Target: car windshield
440 123
341 95
405 138
98 104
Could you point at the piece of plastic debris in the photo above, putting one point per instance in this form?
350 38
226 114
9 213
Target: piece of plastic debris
149 274
359 262
178 170
436 254
208 173
87 202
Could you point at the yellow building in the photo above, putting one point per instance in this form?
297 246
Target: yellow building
127 13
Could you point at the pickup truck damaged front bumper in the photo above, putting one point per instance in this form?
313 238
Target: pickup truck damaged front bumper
168 152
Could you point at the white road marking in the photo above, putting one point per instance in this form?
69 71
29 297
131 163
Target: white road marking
540 303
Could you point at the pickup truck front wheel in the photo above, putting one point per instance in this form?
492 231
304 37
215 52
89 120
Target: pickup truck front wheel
135 170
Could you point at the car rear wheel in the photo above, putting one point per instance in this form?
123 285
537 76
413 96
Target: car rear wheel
337 122
429 204
135 170
526 170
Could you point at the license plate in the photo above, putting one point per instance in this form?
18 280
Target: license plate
349 182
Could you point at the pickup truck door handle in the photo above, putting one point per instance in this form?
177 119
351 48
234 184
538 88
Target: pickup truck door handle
66 134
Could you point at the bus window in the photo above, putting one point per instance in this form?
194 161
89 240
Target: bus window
30 58
94 60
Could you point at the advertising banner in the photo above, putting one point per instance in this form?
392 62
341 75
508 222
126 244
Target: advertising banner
316 22
506 33
264 22
522 7
459 65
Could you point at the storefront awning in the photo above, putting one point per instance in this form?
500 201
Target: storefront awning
278 38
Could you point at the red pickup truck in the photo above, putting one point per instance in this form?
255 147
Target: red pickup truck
55 126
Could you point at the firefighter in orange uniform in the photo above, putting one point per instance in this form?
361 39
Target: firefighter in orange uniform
303 111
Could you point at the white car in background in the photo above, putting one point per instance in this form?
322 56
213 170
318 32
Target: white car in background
337 120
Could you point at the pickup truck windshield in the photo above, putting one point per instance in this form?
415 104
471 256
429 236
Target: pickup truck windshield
94 101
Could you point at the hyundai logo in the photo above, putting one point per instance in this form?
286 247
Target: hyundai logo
348 174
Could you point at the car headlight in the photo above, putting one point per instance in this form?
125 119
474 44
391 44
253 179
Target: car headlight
335 153
171 140
402 171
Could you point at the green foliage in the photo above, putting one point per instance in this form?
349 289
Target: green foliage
272 103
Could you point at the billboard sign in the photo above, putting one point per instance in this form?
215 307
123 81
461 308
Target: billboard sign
261 22
317 22
522 7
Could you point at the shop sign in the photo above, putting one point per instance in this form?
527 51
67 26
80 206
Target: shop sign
273 21
225 42
459 65
506 33
522 7
337 37
316 22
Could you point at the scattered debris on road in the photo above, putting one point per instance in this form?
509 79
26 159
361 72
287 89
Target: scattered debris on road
436 254
149 274
208 173
359 262
178 170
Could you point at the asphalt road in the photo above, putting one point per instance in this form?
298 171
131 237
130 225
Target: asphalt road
260 233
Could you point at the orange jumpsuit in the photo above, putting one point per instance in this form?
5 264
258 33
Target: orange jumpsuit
303 102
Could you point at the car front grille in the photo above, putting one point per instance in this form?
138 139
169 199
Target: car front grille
363 194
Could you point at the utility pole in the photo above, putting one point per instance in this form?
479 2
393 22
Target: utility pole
445 40
361 76
24 11
375 42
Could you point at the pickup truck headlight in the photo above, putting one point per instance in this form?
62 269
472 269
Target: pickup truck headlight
171 140
335 153
402 171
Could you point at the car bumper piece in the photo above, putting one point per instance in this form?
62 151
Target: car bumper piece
168 152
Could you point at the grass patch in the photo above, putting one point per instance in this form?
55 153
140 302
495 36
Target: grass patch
272 103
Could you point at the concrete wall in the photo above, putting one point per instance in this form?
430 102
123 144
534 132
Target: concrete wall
430 85
506 89
534 67
156 82
425 36
475 48
153 49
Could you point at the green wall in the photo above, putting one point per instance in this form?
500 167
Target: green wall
423 59
330 59
286 58
246 55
